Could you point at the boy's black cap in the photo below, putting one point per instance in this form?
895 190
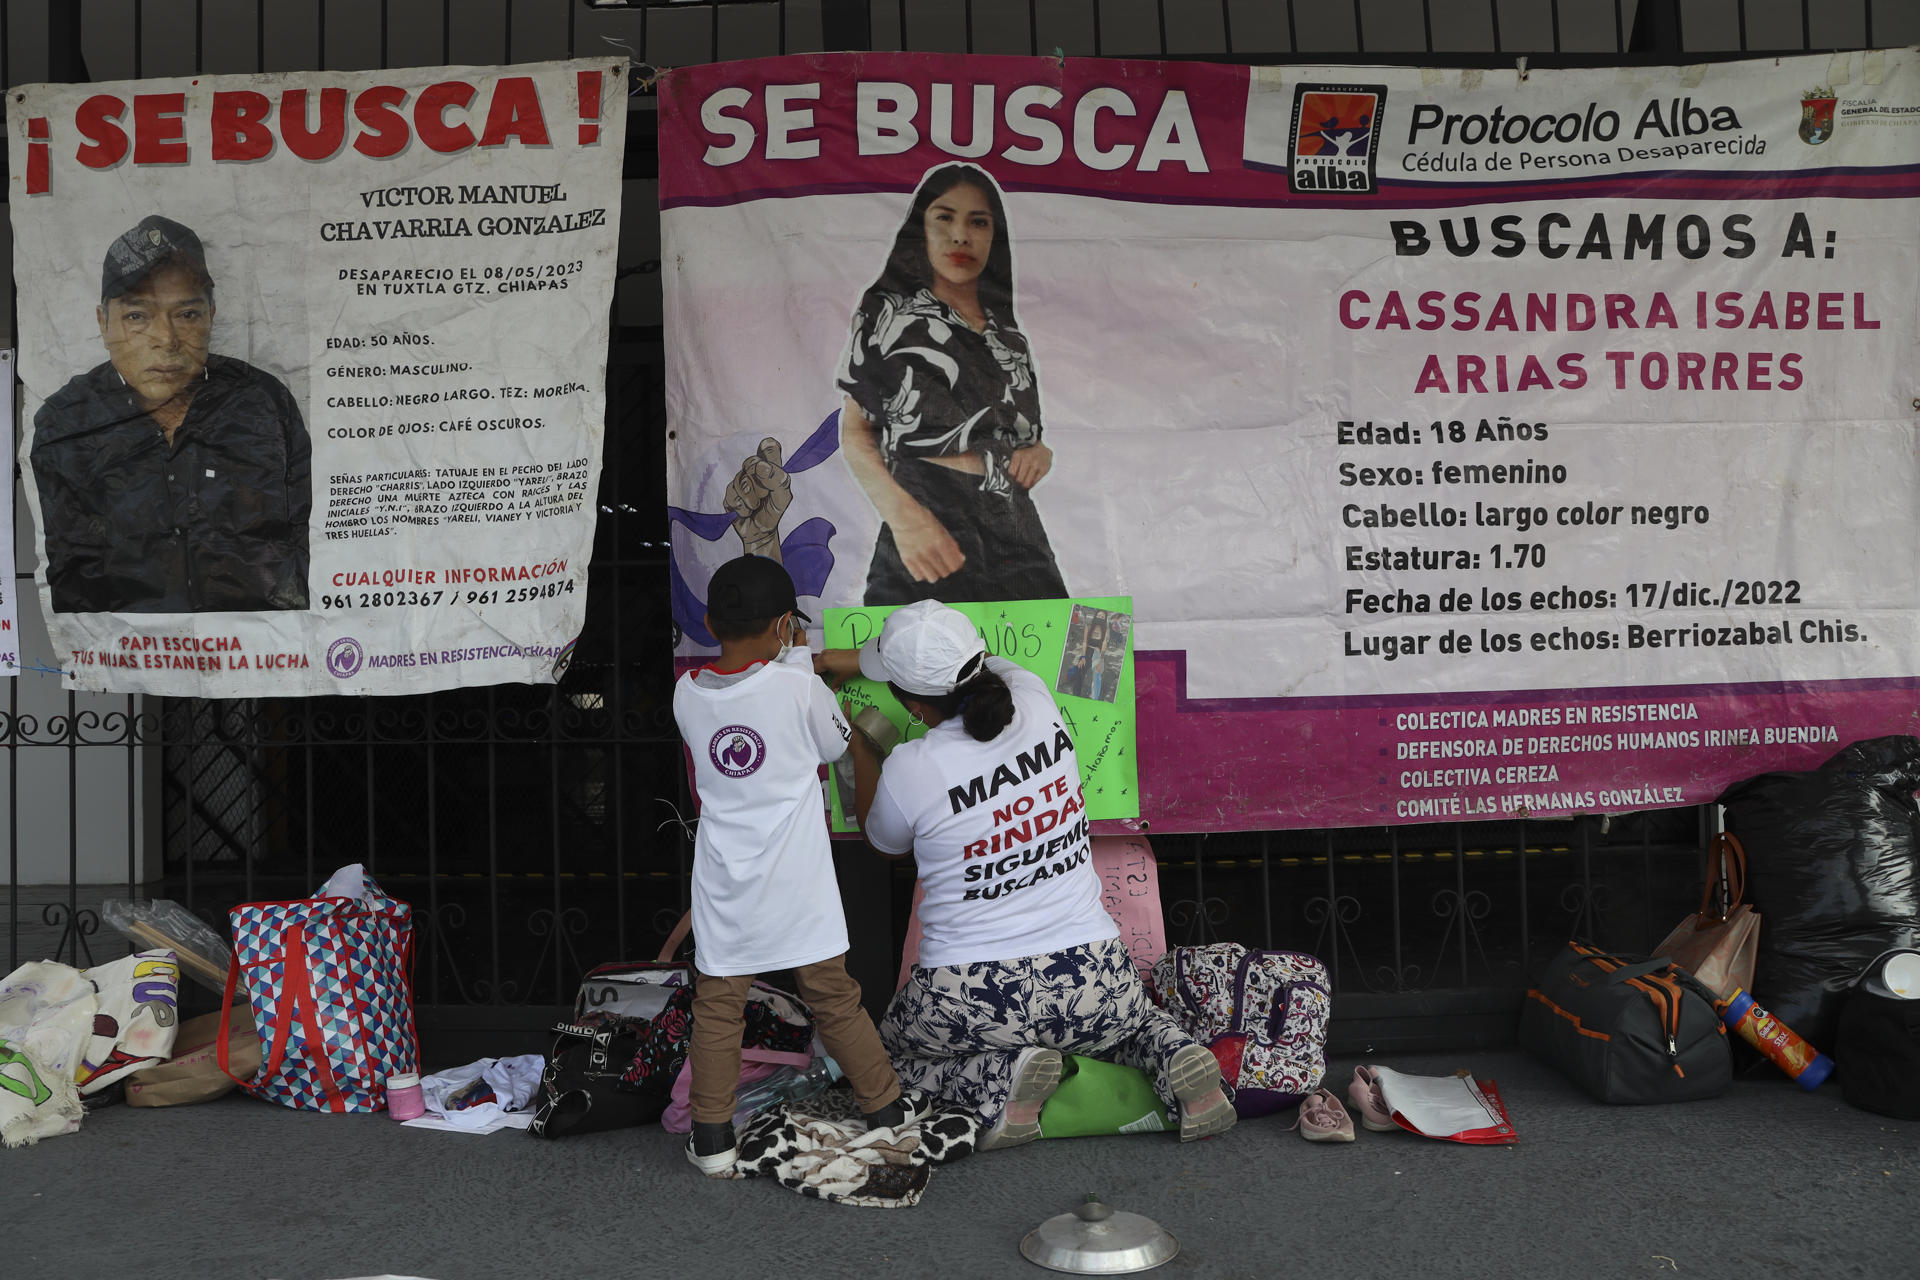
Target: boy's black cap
751 588
132 257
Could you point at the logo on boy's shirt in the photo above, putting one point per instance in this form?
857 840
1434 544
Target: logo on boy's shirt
737 751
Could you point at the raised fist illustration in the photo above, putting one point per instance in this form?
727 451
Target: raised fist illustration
758 496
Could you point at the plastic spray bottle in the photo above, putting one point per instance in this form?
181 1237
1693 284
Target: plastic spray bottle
789 1084
1807 1065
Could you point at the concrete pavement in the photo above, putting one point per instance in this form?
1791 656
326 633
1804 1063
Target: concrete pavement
1765 1182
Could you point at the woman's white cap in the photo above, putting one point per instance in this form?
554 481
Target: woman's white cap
926 648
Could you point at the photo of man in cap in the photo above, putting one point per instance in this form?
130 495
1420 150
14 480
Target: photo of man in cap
170 480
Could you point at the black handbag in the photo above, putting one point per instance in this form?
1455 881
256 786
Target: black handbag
582 1090
1627 1030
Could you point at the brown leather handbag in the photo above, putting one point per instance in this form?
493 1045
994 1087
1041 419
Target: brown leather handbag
1719 946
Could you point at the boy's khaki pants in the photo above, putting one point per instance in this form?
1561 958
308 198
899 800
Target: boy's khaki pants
719 1016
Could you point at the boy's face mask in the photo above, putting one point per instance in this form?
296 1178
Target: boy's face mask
786 637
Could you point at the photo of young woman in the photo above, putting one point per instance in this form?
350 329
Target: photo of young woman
941 421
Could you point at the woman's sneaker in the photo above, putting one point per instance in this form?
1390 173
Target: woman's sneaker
1194 1075
1036 1074
711 1148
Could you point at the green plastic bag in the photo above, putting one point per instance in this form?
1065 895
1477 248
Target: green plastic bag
1097 1097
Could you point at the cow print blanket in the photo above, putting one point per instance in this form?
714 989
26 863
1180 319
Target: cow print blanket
820 1147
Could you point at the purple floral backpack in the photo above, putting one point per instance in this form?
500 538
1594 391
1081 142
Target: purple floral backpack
1262 1013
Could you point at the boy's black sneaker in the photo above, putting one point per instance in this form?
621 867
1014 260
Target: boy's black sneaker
891 1116
711 1148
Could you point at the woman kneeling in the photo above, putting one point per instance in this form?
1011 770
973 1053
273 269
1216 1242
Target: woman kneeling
1019 961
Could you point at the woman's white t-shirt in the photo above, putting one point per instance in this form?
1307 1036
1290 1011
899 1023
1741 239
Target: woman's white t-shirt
999 830
764 892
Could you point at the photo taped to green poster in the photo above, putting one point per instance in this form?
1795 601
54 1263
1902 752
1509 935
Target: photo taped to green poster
1081 648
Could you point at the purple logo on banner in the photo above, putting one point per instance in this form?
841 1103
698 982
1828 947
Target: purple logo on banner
737 751
343 656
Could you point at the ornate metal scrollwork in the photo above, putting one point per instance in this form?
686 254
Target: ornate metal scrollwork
440 922
486 991
570 923
455 723
1331 915
1462 911
79 925
1195 922
1588 905
404 722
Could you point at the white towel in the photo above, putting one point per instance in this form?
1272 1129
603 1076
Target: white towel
35 1100
46 1020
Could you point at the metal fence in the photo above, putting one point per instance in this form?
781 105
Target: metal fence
538 830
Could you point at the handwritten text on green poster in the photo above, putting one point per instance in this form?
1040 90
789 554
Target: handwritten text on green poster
1082 649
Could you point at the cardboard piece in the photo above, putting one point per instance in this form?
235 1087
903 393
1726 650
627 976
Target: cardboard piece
193 1073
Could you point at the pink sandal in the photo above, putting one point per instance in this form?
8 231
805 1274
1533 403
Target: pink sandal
1364 1093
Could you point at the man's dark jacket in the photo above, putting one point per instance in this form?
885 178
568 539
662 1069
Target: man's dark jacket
215 523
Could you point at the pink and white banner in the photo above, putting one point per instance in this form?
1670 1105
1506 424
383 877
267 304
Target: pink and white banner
1472 444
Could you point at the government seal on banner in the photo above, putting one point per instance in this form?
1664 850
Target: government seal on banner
1816 115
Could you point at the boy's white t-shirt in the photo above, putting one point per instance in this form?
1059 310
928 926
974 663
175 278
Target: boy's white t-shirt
999 830
764 892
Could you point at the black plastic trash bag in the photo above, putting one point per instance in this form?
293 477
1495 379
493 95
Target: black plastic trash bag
1831 868
1879 1040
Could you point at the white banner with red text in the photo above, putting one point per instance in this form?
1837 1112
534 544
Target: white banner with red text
1471 443
314 370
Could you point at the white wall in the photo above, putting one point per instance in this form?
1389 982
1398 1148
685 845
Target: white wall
73 805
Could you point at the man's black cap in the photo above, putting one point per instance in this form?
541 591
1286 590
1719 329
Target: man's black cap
155 241
751 588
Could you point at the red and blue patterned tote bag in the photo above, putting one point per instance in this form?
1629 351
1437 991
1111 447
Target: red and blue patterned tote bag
330 983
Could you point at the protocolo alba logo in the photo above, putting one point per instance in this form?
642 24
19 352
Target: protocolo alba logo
1336 136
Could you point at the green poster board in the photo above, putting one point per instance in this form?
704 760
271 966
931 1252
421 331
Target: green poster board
1082 649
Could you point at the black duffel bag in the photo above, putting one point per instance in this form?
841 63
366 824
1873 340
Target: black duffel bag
1627 1030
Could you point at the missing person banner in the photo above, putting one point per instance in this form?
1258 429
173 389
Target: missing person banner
1470 443
1079 647
314 372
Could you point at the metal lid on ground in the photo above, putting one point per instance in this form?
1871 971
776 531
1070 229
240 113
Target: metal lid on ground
1096 1240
